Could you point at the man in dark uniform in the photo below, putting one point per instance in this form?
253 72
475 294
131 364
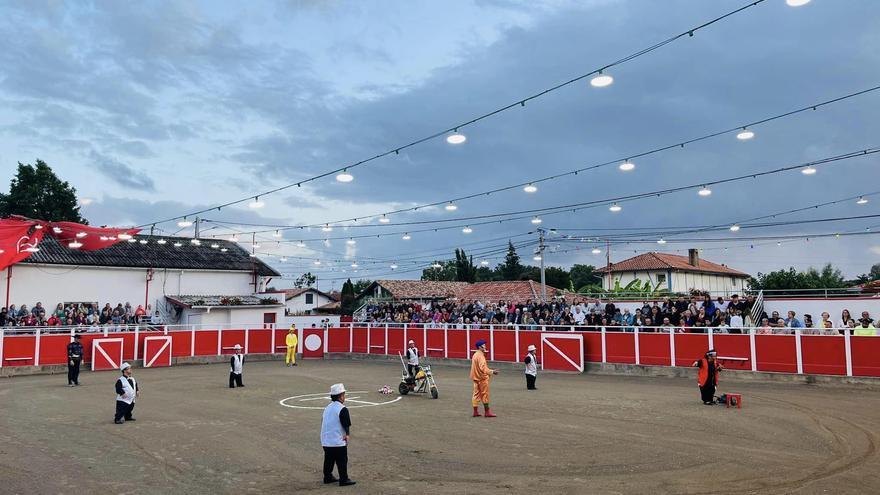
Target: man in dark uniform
74 358
707 377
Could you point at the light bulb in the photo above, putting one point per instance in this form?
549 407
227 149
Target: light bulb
184 223
57 230
74 245
38 227
103 238
256 203
277 234
536 258
484 263
861 200
536 220
627 166
124 236
234 238
406 237
808 170
661 241
300 244
351 242
284 259
143 241
436 266
31 249
384 219
530 188
745 134
354 265
80 235
450 206
796 3
223 250
456 138
467 230
177 244
161 241
596 251
393 266
196 242
705 191
327 228
344 176
132 241
215 246
601 80
734 228
615 208
317 262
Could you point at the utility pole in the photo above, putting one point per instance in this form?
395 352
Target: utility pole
197 227
541 247
608 264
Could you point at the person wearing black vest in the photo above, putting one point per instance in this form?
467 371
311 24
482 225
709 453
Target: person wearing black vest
335 429
235 367
74 358
127 391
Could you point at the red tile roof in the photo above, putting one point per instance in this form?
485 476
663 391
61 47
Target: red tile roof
291 293
517 291
674 262
419 289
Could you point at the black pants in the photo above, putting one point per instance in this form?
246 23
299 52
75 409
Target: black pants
338 456
530 382
707 392
123 410
235 379
412 369
73 371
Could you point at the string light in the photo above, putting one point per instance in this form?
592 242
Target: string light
177 244
327 228
661 241
393 266
627 166
74 245
38 227
614 208
384 219
277 234
124 236
143 241
745 134
196 242
80 235
450 206
406 236
234 238
351 242
467 230
861 200
536 220
132 241
103 238
215 246
596 251
57 230
808 170
161 241
796 3
601 80
256 246
86 201
223 250
256 203
284 259
530 188
734 228
705 191
354 265
344 176
300 244
184 223
317 262
484 263
436 266
456 138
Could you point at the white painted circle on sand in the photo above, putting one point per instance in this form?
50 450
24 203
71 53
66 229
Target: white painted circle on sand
352 400
313 342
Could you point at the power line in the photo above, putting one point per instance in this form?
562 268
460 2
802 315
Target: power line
454 129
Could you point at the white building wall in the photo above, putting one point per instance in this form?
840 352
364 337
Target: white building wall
226 317
307 321
298 304
51 284
723 285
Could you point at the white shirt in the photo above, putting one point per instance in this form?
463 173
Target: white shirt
736 321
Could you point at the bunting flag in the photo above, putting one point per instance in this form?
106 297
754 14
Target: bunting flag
20 237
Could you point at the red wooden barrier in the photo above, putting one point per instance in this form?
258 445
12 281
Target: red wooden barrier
620 347
260 341
654 349
737 347
313 343
376 340
593 346
338 339
53 349
825 355
689 347
530 338
457 344
396 341
19 350
865 356
360 340
228 339
436 344
504 342
206 342
776 353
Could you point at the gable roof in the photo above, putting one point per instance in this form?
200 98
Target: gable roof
417 289
291 293
231 302
155 255
517 291
674 262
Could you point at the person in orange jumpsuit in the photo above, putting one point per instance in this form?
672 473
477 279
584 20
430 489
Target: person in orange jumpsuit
707 376
480 375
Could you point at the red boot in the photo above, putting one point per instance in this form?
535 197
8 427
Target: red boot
476 412
489 413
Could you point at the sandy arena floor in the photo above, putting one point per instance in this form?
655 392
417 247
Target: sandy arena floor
576 434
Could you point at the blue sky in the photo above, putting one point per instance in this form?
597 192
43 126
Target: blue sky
160 108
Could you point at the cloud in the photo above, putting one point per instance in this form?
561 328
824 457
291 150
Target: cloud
122 174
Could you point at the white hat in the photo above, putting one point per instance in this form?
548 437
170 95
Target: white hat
412 341
337 388
237 347
124 366
531 347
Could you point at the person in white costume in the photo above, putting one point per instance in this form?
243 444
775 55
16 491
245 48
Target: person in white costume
127 391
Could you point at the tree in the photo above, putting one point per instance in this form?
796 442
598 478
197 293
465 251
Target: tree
305 280
36 192
465 271
486 274
446 272
511 269
873 274
584 276
782 280
361 284
348 301
553 276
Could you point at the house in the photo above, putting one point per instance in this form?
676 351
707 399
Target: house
675 273
158 272
305 300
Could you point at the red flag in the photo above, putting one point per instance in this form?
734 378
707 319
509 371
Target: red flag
18 240
87 238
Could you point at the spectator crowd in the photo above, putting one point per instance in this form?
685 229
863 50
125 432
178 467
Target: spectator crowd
78 314
688 315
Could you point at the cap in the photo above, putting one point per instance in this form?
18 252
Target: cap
237 347
411 342
337 388
531 347
479 343
711 352
77 336
124 366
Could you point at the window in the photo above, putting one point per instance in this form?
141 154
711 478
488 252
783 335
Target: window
733 281
310 298
661 278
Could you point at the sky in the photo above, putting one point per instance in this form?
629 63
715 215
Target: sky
157 109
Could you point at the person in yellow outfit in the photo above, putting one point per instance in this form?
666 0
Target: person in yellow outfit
480 375
291 342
